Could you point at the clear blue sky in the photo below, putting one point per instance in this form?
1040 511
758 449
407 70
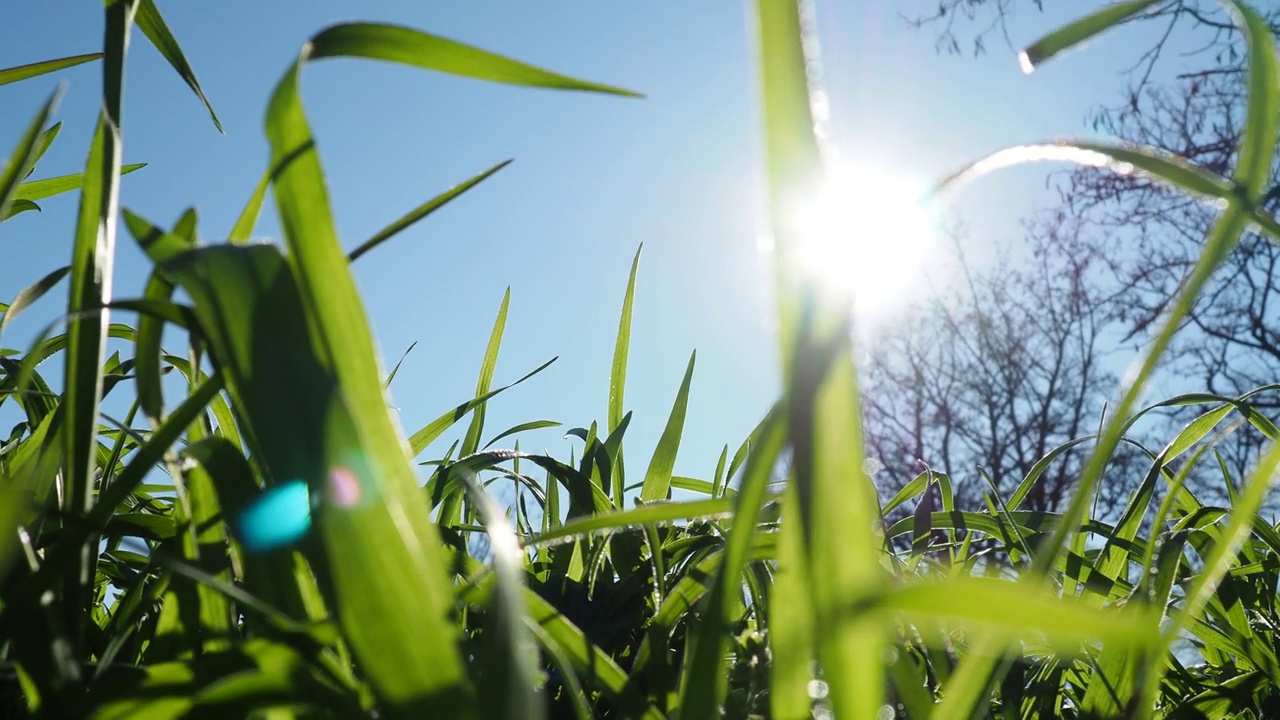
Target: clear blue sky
594 177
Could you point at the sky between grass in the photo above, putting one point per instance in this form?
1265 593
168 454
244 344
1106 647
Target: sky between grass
593 178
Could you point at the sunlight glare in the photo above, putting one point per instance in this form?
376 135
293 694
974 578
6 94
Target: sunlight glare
865 235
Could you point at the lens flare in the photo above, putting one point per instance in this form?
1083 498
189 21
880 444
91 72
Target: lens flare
864 234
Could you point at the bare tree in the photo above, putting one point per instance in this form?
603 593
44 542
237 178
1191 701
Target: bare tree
1185 94
989 376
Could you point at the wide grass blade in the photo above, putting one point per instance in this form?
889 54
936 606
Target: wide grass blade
22 72
430 52
1079 31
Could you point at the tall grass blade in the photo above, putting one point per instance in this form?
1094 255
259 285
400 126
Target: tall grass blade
704 683
657 479
153 26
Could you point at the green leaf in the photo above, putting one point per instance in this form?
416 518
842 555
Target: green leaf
471 441
704 684
48 187
522 427
30 294
434 429
657 479
154 28
509 657
1258 139
637 517
423 211
242 231
23 159
1079 31
1122 158
621 348
430 52
22 72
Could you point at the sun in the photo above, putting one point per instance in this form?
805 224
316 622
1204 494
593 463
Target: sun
865 235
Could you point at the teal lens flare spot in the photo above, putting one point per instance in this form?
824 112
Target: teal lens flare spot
279 517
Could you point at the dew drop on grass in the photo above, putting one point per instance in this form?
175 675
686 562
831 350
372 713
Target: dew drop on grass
886 712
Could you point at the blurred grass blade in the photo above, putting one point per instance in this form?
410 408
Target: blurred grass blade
510 656
704 683
838 510
157 31
23 158
48 187
422 211
1122 158
1258 139
657 479
32 293
18 207
242 231
46 140
791 630
22 72
412 47
1079 31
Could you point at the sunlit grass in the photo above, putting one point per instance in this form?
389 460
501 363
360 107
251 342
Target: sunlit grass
123 599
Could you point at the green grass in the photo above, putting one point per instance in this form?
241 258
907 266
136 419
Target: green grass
583 598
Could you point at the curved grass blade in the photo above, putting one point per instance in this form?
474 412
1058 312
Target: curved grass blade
153 26
430 52
1258 139
657 479
1121 157
394 370
18 207
637 517
23 72
23 159
423 210
42 147
31 294
48 187
522 427
1079 31
434 429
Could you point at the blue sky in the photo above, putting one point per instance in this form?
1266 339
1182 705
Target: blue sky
594 177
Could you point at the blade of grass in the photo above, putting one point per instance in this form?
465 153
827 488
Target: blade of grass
423 211
657 479
48 187
242 231
153 26
23 72
30 294
93 255
471 441
703 683
23 159
1079 31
